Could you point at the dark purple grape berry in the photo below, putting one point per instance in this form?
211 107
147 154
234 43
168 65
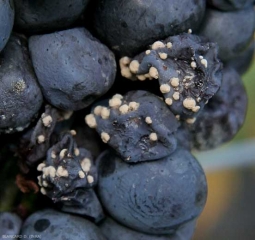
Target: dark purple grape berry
230 5
10 224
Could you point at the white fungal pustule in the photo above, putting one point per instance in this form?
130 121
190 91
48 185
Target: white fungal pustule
63 153
62 172
190 31
41 166
115 102
86 164
105 113
125 71
105 137
169 45
73 132
81 174
190 120
124 109
90 179
141 77
177 117
124 61
41 139
53 155
91 120
67 114
163 56
153 72
198 99
175 81
39 178
201 57
189 103
43 191
97 110
49 171
117 96
204 62
76 152
196 109
153 137
47 120
147 52
133 106
169 101
44 183
193 64
176 96
134 66
148 120
156 45
165 88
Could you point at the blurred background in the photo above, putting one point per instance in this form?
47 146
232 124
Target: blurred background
230 210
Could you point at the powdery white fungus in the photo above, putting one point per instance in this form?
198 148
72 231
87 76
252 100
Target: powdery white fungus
176 96
141 77
40 139
175 82
193 64
105 137
204 62
117 96
163 56
53 154
134 66
115 102
67 114
91 120
105 113
169 101
86 164
124 109
43 190
147 52
81 174
51 171
169 45
158 44
62 172
41 166
39 178
190 31
73 132
198 99
125 72
133 106
148 120
45 184
177 117
97 110
124 61
201 57
153 72
90 179
165 88
47 120
190 120
189 103
153 137
76 152
195 109
62 153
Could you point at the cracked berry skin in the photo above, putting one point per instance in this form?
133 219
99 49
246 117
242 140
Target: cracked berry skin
139 126
73 68
114 230
6 21
153 197
68 176
20 95
187 68
10 224
227 29
230 5
129 26
224 114
51 224
48 15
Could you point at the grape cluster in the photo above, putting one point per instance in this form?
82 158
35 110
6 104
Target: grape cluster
101 103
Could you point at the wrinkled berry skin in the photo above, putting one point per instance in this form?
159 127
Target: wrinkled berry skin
50 224
20 95
153 197
230 5
6 21
10 224
114 230
47 15
227 29
129 26
224 114
73 68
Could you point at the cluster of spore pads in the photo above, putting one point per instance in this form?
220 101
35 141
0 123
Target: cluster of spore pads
101 104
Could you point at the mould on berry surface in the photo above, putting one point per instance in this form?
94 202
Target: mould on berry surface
20 95
137 125
189 76
73 68
68 177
